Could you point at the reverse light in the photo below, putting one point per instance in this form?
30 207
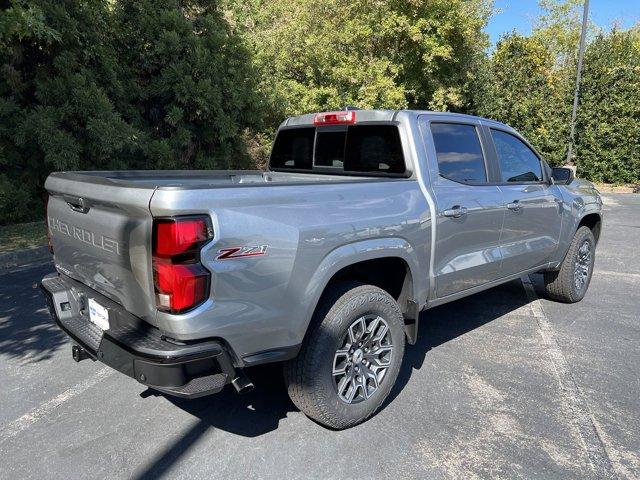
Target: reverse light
334 118
181 282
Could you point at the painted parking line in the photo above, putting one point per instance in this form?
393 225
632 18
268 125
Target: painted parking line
571 394
634 276
28 419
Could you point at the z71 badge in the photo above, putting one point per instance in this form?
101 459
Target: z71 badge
238 252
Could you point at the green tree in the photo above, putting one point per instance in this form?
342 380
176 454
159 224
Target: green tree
315 55
522 87
608 130
54 88
117 84
189 88
558 27
528 83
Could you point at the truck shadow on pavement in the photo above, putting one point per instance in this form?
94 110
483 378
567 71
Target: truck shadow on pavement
445 323
27 332
260 411
249 415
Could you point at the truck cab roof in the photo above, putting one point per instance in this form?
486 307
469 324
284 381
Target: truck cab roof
380 115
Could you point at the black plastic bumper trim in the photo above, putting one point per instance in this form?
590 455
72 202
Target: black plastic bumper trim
270 356
187 371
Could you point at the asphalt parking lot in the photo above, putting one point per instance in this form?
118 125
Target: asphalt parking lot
504 384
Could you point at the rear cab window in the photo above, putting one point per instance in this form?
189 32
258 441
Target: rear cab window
293 149
350 150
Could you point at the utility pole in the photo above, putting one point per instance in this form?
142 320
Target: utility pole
583 32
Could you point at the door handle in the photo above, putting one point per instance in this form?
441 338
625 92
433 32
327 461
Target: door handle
455 212
515 206
77 204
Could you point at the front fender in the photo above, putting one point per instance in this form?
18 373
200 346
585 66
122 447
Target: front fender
577 207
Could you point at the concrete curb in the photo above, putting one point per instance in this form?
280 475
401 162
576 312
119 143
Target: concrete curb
23 257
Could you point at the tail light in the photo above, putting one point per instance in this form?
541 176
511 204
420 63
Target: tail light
46 223
180 281
334 118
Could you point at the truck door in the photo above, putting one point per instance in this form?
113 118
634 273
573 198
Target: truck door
469 209
533 214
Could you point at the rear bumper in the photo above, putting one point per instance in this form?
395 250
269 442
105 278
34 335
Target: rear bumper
135 348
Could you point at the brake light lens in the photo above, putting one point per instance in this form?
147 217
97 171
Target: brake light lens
334 118
177 236
181 282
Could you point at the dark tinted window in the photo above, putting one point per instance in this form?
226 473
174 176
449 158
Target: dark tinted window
518 163
459 152
358 148
374 148
330 149
293 148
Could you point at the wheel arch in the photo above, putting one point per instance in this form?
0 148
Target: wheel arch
588 217
594 222
390 264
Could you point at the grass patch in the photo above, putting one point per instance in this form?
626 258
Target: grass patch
22 235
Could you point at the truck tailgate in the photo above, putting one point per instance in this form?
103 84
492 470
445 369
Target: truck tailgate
101 236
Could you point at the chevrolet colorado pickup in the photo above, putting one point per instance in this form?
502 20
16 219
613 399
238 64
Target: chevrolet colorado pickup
324 261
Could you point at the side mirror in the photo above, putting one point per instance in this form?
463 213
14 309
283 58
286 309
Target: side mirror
562 176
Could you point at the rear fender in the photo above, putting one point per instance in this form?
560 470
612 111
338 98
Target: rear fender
353 253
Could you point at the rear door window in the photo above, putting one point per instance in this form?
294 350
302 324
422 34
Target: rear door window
518 163
356 149
459 152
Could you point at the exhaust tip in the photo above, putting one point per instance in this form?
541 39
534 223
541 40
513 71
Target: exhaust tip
79 354
242 384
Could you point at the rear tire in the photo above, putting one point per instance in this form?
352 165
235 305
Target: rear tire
350 359
569 284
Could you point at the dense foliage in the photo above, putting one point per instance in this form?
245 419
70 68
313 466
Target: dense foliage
523 88
110 84
318 54
608 128
528 82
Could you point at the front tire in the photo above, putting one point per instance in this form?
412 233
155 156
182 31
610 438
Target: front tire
569 284
351 358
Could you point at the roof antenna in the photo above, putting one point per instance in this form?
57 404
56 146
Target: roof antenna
348 108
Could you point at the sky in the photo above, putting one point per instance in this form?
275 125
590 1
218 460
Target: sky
520 15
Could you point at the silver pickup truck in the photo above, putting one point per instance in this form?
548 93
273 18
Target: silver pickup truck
324 261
